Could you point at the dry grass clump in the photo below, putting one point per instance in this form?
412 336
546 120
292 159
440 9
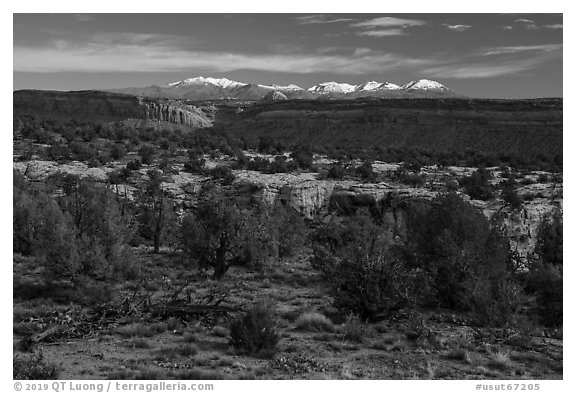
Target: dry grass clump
460 354
196 374
141 343
254 333
390 342
173 352
314 322
220 331
141 330
355 330
500 361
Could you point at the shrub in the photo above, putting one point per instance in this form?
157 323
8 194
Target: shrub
451 185
40 228
291 230
465 258
259 238
366 172
477 185
212 237
146 153
254 333
546 281
510 195
550 238
33 368
195 165
134 165
221 172
336 172
118 151
493 301
545 278
314 322
355 329
366 275
303 157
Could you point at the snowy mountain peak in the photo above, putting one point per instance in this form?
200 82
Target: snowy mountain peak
424 84
373 85
200 80
279 87
332 87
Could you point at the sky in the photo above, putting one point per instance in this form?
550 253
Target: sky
478 55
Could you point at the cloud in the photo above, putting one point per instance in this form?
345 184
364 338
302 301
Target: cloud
458 28
476 71
319 19
82 17
527 24
506 27
501 50
145 53
524 20
389 21
382 33
555 26
498 61
386 26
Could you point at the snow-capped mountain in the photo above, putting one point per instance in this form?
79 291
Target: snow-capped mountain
200 80
424 84
332 87
279 87
207 88
373 85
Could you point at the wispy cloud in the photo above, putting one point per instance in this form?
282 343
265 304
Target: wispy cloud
320 19
82 17
389 21
458 28
554 26
500 50
382 33
506 27
527 24
385 26
477 71
498 61
144 53
524 20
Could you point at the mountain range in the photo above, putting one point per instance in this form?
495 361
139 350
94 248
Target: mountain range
207 88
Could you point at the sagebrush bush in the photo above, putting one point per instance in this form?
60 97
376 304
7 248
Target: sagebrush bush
33 367
355 329
314 322
494 301
254 333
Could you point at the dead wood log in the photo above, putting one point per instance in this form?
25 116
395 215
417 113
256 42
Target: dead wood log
183 310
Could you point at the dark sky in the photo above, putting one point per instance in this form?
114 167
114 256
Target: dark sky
479 55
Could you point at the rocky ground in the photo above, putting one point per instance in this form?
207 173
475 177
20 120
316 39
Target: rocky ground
106 340
114 338
311 193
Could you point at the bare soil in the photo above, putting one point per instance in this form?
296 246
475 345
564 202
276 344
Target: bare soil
108 335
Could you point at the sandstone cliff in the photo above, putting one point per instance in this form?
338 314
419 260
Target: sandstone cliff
101 106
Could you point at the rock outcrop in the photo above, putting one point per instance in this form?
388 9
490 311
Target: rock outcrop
101 106
323 200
